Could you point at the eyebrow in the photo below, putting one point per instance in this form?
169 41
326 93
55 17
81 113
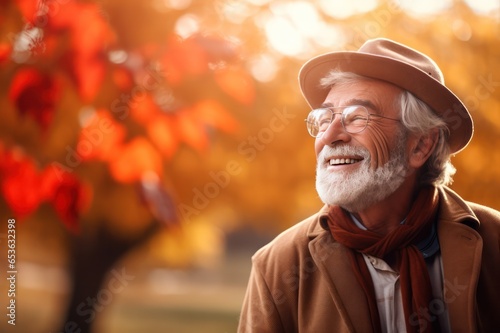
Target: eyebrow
355 101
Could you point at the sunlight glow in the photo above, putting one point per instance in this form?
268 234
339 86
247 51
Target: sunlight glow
283 36
187 25
331 36
86 115
291 25
234 11
177 4
344 9
117 56
26 42
462 30
484 7
263 68
303 16
425 7
258 2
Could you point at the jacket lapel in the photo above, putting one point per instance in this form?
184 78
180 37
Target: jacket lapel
333 262
461 248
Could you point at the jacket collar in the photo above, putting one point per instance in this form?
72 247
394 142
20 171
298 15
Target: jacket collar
456 230
454 209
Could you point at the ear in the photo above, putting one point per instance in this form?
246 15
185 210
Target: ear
421 148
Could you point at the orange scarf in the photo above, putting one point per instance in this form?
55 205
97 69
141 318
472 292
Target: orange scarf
416 290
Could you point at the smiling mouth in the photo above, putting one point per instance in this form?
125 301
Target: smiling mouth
343 161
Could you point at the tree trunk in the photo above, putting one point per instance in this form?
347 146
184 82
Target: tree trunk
92 259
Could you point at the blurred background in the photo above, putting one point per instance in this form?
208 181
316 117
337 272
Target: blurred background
149 148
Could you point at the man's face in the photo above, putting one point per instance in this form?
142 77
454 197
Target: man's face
358 170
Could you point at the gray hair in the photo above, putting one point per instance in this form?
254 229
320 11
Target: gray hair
418 118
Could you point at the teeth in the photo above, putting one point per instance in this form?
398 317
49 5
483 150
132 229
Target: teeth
337 161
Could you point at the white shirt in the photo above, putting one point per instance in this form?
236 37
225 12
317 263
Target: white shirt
388 291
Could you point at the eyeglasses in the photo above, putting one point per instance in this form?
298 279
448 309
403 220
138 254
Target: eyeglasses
354 119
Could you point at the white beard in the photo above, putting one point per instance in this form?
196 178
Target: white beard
359 189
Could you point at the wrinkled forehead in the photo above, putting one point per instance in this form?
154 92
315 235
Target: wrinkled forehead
379 96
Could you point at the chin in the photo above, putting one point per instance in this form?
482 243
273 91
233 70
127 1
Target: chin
359 190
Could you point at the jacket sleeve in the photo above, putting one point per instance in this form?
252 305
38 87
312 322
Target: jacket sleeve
259 313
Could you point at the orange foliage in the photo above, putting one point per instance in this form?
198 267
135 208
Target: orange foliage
237 83
134 160
122 78
144 111
187 125
88 34
100 138
191 130
163 133
213 113
182 58
88 44
71 39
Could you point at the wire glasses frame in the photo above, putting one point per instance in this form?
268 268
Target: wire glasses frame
354 119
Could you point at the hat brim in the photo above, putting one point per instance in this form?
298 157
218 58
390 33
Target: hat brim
442 100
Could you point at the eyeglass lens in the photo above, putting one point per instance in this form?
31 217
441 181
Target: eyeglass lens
354 119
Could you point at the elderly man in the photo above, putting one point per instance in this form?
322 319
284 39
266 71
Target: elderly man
393 249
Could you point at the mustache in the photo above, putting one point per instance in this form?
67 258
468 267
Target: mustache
328 151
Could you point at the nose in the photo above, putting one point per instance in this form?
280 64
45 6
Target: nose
334 133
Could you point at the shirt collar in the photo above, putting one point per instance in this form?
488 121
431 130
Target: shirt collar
428 246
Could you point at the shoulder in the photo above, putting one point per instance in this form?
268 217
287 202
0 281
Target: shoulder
455 209
484 212
289 246
489 218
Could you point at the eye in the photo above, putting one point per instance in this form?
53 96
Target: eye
324 122
355 115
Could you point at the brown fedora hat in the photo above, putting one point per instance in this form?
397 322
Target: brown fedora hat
386 60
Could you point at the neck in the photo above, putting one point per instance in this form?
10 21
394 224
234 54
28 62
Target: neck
386 215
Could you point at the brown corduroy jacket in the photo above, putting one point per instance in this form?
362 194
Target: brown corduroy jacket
303 282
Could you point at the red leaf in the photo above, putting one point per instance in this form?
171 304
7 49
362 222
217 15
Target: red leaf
90 32
236 83
63 14
29 9
20 183
71 197
134 160
89 74
24 187
49 181
5 51
35 94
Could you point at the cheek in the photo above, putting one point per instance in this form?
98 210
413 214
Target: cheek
318 146
380 149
